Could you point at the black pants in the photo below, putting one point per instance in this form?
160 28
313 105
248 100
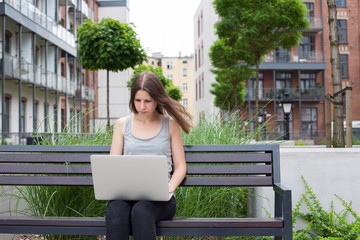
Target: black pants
139 216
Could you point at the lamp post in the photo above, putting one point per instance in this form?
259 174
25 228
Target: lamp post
286 106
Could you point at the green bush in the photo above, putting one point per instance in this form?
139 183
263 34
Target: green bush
322 224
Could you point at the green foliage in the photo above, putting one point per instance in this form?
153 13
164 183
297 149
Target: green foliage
322 224
109 45
173 91
229 88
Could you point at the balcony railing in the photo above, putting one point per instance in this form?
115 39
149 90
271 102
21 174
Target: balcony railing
33 13
268 94
283 56
25 71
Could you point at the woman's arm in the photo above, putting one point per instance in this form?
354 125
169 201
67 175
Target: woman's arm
117 143
178 155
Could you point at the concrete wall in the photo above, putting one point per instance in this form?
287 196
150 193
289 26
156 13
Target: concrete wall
327 171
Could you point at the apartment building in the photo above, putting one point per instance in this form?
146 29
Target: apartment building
180 70
301 74
44 88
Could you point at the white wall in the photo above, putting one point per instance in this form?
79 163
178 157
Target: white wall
327 171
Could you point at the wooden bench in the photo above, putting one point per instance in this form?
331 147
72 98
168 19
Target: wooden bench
208 165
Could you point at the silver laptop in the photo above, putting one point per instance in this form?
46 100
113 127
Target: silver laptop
130 177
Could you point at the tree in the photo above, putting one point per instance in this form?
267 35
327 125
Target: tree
338 133
229 89
173 91
255 27
109 45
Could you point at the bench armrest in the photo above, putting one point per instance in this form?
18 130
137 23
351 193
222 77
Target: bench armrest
283 206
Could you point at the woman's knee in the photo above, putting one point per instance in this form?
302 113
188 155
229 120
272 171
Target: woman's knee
141 210
118 211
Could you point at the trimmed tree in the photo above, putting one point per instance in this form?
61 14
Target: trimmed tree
108 45
255 27
229 88
173 91
338 133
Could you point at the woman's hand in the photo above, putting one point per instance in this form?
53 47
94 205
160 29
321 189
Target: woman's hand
172 188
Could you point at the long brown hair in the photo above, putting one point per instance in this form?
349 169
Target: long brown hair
149 82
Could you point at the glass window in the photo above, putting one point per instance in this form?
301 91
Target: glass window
184 87
307 47
307 80
184 62
342 31
340 3
282 55
310 15
7 44
170 77
309 121
252 86
344 68
7 115
169 65
185 102
22 116
184 72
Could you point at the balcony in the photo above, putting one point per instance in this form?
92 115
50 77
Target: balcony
85 11
87 93
71 3
294 59
32 12
315 93
316 24
14 68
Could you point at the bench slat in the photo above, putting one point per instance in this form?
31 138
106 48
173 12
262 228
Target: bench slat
87 181
228 157
85 158
86 169
174 223
45 158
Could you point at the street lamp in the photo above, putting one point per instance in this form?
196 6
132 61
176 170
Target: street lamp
286 106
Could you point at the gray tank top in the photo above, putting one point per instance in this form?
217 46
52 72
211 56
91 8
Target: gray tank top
156 145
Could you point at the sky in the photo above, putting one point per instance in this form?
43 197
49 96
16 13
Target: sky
164 26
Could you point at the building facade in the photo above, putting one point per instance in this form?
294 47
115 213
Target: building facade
180 71
43 86
301 74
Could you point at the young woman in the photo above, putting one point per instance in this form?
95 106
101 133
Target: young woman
152 129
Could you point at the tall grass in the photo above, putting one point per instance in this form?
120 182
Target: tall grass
191 201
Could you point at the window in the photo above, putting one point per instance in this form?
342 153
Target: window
199 88
283 84
7 115
342 31
184 62
344 68
252 87
310 15
184 87
195 60
22 116
340 3
203 85
185 102
152 63
7 43
36 114
196 91
169 65
307 47
282 55
170 77
309 121
307 80
184 72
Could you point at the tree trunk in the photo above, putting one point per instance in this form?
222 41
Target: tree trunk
338 127
258 136
107 100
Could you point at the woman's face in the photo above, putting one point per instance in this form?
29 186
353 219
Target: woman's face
144 103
